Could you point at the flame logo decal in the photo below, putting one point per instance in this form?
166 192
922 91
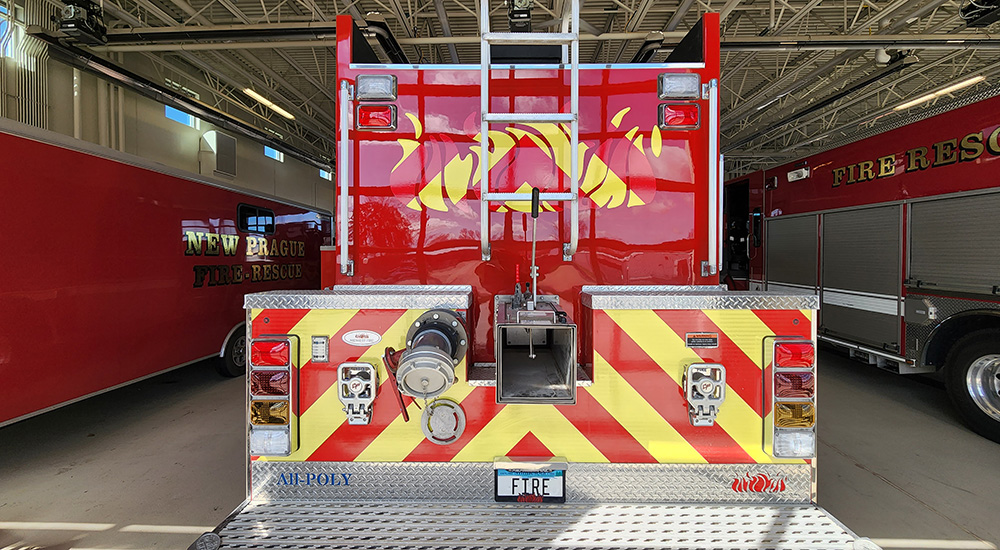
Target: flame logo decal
434 172
759 483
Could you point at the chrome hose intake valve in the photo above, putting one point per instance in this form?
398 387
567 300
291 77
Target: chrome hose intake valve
435 343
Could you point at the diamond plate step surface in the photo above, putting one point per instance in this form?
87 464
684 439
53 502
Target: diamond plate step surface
392 525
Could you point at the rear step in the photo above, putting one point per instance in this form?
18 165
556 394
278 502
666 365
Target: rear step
426 525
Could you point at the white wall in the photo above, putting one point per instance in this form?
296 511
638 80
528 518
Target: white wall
149 134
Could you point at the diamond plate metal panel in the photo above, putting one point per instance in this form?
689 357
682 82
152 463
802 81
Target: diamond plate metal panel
595 483
494 526
365 297
946 309
706 297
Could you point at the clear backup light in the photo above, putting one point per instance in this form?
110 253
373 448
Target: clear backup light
795 444
376 117
376 87
270 353
679 86
794 355
679 116
270 442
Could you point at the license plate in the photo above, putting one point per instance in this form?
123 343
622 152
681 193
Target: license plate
515 485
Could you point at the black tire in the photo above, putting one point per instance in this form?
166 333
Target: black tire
233 362
972 376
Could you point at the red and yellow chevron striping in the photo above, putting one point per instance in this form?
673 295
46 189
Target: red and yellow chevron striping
634 411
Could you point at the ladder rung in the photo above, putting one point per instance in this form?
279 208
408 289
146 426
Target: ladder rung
529 117
526 197
530 37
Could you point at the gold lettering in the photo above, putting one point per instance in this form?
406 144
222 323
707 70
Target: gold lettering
263 246
193 243
917 159
850 174
991 144
886 166
867 171
284 248
945 152
972 147
838 176
212 244
302 249
255 270
238 273
229 243
251 246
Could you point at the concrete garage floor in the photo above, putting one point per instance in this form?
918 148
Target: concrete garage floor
154 464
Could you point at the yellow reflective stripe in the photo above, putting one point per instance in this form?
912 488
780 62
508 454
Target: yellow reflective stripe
668 350
744 328
513 422
638 417
400 438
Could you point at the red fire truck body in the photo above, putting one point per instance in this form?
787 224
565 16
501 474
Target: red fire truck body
104 248
430 398
897 235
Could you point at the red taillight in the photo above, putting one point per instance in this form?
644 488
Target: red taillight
269 382
377 117
787 354
269 353
793 384
678 116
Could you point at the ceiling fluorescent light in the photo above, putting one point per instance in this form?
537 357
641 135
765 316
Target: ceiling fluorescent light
954 87
268 103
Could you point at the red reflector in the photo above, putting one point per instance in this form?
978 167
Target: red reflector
269 382
678 115
793 384
794 355
377 117
269 354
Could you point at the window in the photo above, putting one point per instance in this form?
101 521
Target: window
6 33
325 175
177 115
253 219
274 153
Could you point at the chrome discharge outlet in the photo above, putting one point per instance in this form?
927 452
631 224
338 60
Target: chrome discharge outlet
435 343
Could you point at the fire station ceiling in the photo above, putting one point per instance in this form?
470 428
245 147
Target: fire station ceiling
798 76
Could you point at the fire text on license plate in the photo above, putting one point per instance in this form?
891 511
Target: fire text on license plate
530 485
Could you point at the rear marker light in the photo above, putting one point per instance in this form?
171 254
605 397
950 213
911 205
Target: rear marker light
679 86
376 117
269 413
794 415
376 87
269 353
793 385
794 355
269 382
679 116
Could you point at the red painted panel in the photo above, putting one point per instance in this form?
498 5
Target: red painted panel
96 289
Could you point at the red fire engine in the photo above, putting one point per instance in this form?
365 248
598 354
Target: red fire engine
897 235
104 246
524 343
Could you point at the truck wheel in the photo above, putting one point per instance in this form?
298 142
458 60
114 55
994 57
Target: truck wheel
234 356
973 381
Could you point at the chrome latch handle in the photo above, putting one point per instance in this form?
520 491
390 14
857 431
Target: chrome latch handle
705 389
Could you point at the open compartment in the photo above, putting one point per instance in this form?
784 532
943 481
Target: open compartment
536 363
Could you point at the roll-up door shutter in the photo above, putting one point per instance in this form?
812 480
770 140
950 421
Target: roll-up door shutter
955 243
861 278
791 251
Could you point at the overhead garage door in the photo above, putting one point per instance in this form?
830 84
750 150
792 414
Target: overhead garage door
861 276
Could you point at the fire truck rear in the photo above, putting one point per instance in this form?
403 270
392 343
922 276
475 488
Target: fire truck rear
523 343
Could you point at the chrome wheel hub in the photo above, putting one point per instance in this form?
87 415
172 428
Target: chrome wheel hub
240 352
983 383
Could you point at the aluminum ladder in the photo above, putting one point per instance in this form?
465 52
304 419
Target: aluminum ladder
569 37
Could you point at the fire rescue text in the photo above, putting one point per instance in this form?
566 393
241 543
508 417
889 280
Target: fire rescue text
942 153
198 243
